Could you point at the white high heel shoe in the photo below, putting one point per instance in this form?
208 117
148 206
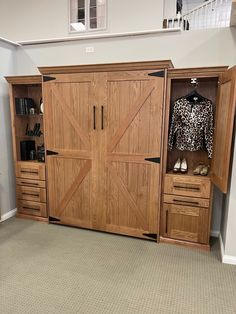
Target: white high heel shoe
177 165
184 166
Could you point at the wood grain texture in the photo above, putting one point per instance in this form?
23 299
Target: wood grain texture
109 67
187 186
130 117
31 183
196 72
31 193
30 170
61 100
135 101
27 79
204 247
37 218
69 131
185 200
32 208
186 223
224 124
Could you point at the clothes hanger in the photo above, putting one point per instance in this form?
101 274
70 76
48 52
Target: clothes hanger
194 96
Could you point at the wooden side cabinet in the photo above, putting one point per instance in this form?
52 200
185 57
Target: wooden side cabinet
28 146
187 197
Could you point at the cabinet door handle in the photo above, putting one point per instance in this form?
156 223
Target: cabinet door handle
27 183
167 214
186 187
102 117
29 171
186 202
31 194
94 117
31 208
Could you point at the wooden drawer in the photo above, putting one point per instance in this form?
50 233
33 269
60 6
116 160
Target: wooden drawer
32 208
30 170
186 200
187 186
31 193
30 182
185 223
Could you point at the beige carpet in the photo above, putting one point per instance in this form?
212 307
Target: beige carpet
55 269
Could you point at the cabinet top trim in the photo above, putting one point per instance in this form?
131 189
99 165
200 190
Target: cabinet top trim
25 79
196 72
108 67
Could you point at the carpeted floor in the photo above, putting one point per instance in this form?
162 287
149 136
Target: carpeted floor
54 269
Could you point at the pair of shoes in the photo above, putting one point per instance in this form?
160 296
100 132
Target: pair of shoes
180 166
201 169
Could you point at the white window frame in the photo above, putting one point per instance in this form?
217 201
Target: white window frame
87 19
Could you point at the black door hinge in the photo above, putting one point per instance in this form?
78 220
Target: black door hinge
48 78
53 219
151 235
154 159
158 74
50 152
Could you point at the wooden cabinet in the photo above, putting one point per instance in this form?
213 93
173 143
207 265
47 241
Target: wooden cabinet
28 125
107 167
104 153
187 198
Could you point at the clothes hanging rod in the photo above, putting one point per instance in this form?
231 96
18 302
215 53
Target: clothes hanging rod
97 36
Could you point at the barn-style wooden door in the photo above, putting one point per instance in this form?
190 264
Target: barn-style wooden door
103 137
71 138
133 126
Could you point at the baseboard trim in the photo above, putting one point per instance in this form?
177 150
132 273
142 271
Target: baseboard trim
8 215
215 233
226 259
222 248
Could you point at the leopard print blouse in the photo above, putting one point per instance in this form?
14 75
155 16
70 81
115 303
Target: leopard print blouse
192 126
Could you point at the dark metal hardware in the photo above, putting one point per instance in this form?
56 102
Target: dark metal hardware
150 235
158 74
102 113
187 187
27 183
53 219
187 202
167 213
51 152
94 117
29 171
48 78
25 207
32 194
154 159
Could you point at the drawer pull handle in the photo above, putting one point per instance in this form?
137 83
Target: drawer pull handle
187 202
167 222
29 171
31 208
31 194
185 187
27 183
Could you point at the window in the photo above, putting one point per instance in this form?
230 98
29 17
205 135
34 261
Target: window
87 15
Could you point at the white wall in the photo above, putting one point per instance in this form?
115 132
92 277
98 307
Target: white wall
189 49
169 8
229 229
33 19
7 177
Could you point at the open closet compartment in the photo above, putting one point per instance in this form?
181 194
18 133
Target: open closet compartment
28 144
190 121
